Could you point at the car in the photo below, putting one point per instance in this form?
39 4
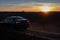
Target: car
16 23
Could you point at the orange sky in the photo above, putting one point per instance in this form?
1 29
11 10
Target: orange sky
33 9
18 9
29 7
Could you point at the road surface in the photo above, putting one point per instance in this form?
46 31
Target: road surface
34 32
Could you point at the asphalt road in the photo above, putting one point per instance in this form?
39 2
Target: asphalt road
42 35
34 32
29 35
17 35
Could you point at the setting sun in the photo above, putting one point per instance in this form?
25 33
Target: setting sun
45 8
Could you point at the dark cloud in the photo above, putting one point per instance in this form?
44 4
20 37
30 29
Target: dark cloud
23 1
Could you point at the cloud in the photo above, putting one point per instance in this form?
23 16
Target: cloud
28 5
23 5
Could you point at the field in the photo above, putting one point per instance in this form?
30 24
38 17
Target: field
38 20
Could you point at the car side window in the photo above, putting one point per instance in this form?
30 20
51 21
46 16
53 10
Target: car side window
8 20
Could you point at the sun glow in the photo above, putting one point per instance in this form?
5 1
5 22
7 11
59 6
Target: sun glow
45 8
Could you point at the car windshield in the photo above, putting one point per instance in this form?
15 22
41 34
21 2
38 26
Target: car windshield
13 18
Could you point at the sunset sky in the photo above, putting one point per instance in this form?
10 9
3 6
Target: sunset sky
28 5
